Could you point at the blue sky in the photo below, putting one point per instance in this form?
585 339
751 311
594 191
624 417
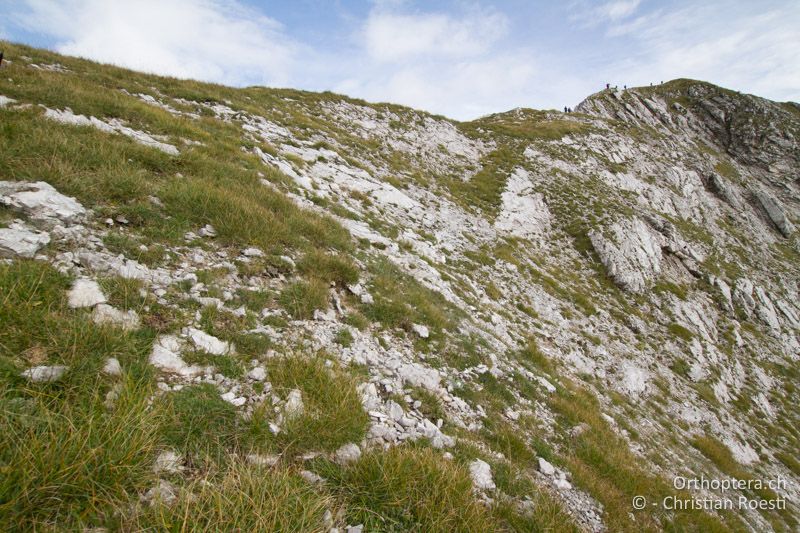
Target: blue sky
458 58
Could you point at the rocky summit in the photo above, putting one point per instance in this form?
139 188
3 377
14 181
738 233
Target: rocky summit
260 309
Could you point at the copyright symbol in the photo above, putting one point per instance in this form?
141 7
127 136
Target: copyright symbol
639 502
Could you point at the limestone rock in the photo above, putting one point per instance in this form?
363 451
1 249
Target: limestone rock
18 240
546 468
348 453
40 201
106 314
85 293
208 343
45 374
294 404
775 213
258 373
421 331
630 252
164 493
481 474
169 462
112 367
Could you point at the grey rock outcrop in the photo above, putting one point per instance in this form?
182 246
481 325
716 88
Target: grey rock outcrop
775 213
630 252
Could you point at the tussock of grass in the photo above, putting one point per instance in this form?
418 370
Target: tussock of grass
329 268
408 489
65 461
681 332
241 498
332 414
200 422
400 301
302 298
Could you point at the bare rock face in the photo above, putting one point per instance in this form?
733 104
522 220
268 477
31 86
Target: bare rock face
630 252
775 213
19 240
523 212
40 201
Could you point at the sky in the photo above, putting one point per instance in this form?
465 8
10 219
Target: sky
459 58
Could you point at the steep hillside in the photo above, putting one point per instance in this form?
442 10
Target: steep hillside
261 309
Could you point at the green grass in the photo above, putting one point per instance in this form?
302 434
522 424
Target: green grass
328 268
240 498
400 301
332 414
676 330
408 489
64 456
200 422
343 338
302 298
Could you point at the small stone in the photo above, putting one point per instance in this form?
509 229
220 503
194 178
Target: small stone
481 474
355 529
207 231
85 293
112 367
294 404
262 460
546 468
349 453
45 374
106 314
164 492
208 343
367 299
169 462
252 252
422 331
311 477
259 373
562 484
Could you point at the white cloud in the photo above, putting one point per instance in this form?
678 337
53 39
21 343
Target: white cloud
590 14
752 50
458 89
214 40
619 9
457 64
391 36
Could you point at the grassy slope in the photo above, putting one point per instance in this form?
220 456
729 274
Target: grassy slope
66 459
95 473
